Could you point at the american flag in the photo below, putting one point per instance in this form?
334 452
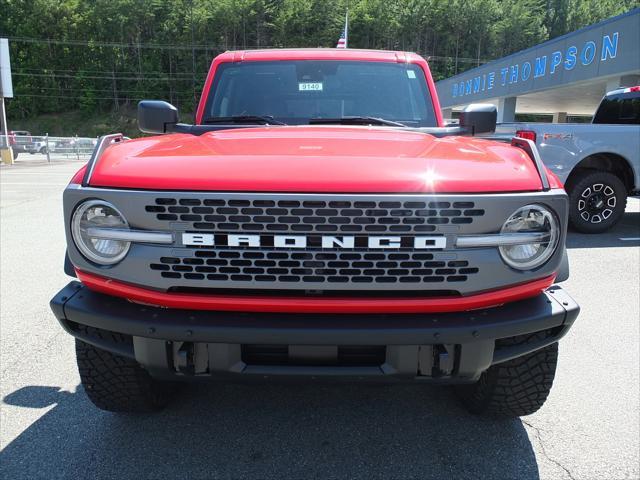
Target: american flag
342 43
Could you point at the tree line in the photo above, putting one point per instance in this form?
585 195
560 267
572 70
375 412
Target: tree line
100 55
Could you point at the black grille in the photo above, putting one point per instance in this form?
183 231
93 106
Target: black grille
312 216
243 265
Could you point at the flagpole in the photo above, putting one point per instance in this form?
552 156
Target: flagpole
346 29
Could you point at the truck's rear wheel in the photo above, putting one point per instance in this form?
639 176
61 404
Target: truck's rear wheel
118 384
597 201
514 388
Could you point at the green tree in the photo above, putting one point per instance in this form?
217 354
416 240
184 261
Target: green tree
99 57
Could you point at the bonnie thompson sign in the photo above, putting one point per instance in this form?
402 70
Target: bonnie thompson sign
573 57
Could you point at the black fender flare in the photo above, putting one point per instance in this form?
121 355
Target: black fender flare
563 271
68 266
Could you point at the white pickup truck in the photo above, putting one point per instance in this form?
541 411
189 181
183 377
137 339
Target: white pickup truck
599 163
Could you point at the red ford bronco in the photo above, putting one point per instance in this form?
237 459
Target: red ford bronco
318 221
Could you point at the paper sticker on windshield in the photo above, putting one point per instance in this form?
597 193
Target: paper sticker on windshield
309 87
411 74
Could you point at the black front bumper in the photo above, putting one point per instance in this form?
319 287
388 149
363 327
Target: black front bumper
454 347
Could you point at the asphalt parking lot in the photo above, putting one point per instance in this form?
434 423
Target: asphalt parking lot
589 428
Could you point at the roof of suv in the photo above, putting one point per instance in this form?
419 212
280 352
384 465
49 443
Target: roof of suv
320 54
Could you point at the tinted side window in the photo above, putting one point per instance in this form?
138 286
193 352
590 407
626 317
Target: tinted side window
619 109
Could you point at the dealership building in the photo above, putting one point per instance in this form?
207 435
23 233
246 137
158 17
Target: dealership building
564 77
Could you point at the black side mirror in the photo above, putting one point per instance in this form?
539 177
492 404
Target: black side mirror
479 118
156 116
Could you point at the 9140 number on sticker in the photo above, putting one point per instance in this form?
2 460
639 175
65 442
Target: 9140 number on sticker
309 87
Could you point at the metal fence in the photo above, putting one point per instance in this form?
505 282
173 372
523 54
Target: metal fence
49 149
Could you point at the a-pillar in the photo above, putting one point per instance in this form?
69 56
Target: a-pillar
507 109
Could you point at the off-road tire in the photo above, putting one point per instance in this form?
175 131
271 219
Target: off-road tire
118 384
513 388
586 180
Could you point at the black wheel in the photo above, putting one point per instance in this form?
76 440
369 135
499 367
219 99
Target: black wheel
43 150
597 201
514 388
118 384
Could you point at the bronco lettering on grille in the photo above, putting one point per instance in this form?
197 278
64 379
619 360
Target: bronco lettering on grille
314 241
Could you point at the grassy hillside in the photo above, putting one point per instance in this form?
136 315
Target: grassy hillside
79 123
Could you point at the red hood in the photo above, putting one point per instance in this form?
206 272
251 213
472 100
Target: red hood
317 159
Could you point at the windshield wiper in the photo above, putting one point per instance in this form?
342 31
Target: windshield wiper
261 119
355 120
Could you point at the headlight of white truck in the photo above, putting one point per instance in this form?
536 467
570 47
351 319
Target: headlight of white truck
534 219
96 216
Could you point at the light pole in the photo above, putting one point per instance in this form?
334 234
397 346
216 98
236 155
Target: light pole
6 91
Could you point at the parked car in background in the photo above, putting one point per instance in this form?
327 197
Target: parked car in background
599 163
19 141
83 145
41 145
23 141
66 146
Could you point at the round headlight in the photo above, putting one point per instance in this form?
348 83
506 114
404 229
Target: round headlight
98 214
531 219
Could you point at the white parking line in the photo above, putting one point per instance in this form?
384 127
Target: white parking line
35 184
9 174
630 239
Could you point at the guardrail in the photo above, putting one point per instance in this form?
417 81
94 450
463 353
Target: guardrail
50 149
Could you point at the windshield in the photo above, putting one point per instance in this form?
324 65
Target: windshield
295 92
